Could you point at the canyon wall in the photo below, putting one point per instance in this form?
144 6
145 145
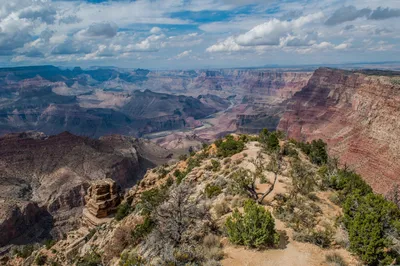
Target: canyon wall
47 176
357 114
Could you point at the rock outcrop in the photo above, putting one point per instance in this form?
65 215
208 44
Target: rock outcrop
53 173
357 115
102 200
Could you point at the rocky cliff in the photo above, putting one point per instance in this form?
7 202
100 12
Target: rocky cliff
357 114
50 174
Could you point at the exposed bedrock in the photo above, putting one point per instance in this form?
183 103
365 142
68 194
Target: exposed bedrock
357 115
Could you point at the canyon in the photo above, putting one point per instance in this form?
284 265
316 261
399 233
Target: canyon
357 114
123 122
43 179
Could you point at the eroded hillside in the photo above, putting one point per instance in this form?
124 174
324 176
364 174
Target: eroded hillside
357 115
43 178
287 202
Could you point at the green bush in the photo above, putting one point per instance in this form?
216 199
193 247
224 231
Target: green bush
254 228
218 142
212 191
142 230
230 147
316 151
368 218
289 150
269 140
216 165
151 199
347 182
179 176
123 210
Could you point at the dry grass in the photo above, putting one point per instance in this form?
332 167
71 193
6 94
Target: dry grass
334 259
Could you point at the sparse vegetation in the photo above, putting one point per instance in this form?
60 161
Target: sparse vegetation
254 228
321 238
216 165
142 230
131 258
212 191
25 251
221 208
303 180
151 199
179 176
123 210
334 259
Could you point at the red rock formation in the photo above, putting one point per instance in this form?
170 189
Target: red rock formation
53 173
357 115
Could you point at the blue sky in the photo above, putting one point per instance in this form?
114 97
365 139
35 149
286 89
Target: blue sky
189 34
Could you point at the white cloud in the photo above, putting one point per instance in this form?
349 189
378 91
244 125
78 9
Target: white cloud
270 33
184 54
273 32
155 30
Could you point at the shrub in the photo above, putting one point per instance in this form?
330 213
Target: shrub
237 202
212 191
162 173
90 235
142 230
368 219
316 151
269 140
216 165
221 208
289 150
90 259
211 241
230 147
192 163
218 142
49 243
151 199
131 258
303 181
179 176
254 228
25 251
123 210
296 213
321 238
335 259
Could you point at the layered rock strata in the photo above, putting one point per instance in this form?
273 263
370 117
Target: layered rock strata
357 114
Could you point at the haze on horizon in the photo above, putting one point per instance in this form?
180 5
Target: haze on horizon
197 33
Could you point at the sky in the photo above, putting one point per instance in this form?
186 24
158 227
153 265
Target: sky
191 34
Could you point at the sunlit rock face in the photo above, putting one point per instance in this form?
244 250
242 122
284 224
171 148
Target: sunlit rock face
357 114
